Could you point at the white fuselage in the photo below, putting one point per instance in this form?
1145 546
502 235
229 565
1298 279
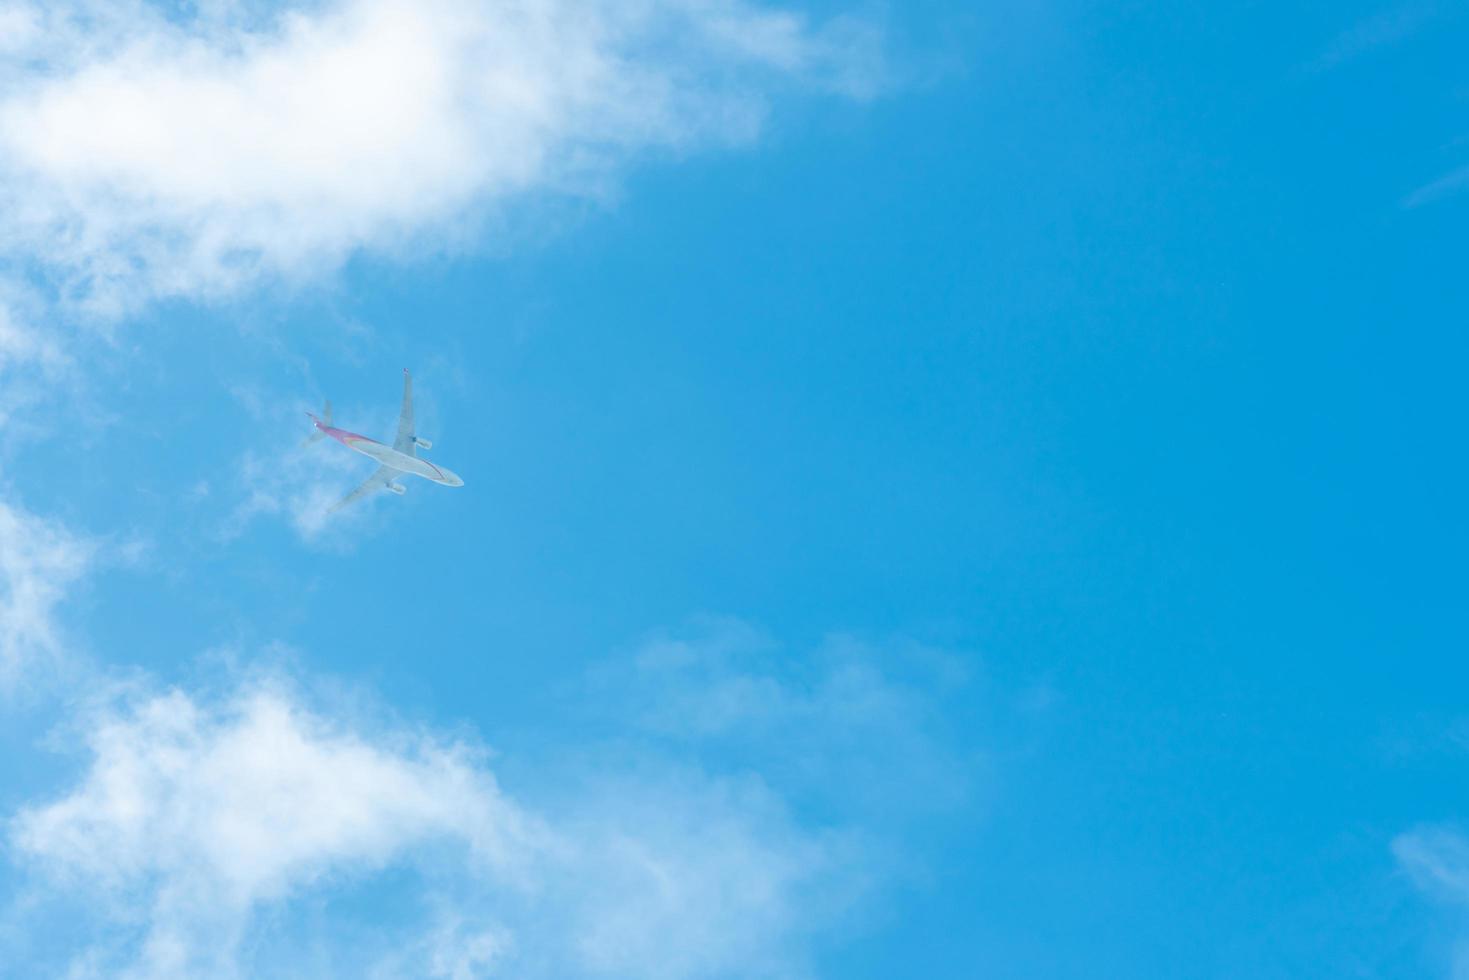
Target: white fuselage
391 458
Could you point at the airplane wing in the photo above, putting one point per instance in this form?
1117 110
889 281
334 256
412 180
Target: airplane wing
404 440
379 480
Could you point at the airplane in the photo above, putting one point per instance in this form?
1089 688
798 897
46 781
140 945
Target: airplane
400 457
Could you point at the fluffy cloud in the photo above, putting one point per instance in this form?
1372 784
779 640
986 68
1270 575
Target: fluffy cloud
211 810
150 156
39 560
233 835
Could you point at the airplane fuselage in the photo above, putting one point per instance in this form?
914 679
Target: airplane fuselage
390 457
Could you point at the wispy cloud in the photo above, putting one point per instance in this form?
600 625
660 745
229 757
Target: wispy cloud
860 721
1451 183
40 560
151 156
34 366
300 484
1437 859
1388 27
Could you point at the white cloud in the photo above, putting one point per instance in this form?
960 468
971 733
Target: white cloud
150 157
255 795
39 561
213 809
203 823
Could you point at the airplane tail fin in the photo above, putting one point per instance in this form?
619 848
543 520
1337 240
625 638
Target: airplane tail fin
325 419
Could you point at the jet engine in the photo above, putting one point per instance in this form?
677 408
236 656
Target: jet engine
398 488
422 443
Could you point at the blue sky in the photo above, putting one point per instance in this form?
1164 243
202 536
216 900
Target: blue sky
952 490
